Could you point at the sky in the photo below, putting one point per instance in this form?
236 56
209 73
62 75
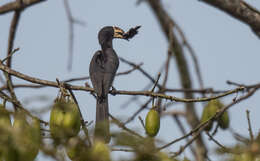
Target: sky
226 49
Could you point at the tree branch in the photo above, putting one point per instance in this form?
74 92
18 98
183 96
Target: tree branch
117 92
240 10
13 6
167 25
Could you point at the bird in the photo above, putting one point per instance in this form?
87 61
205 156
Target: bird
102 71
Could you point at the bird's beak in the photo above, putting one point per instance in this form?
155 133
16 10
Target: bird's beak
118 33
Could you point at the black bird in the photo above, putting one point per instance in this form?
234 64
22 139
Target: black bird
102 70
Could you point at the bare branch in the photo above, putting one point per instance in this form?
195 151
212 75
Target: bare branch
10 55
72 22
117 92
118 74
12 33
167 25
202 126
13 6
121 125
249 126
240 10
138 111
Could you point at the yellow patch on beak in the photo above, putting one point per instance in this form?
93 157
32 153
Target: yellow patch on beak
118 33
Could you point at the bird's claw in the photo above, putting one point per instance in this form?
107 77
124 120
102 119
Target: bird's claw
113 91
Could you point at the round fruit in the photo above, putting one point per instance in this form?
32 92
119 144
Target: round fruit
5 129
100 151
25 140
152 123
205 117
224 120
216 102
64 120
164 157
77 150
209 111
4 117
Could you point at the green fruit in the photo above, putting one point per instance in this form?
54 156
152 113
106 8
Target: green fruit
186 159
72 149
214 106
246 157
25 140
164 157
152 123
209 111
4 117
76 149
258 138
205 117
100 151
5 129
223 121
36 131
216 102
64 120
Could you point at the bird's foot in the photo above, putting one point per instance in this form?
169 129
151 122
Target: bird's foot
113 91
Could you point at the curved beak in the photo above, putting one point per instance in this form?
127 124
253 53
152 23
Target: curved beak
118 33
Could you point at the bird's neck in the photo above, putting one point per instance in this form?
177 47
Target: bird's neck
106 45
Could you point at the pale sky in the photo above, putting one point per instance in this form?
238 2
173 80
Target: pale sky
226 48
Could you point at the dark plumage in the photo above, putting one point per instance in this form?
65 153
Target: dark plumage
102 70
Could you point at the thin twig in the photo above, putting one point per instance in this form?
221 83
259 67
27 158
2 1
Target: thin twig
215 141
72 22
192 53
12 33
156 82
202 126
118 74
181 127
117 92
131 118
121 125
249 126
10 55
222 146
124 150
18 104
142 121
140 69
166 24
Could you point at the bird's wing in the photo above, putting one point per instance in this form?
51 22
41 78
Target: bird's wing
96 73
102 71
111 66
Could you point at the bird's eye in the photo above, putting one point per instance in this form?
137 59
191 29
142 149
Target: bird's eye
120 33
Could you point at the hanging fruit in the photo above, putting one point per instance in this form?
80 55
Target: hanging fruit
209 111
100 151
223 121
77 150
24 143
5 130
152 122
64 119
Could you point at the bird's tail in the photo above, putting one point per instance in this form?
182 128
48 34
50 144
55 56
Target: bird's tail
102 120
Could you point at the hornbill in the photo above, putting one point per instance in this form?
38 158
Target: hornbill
102 71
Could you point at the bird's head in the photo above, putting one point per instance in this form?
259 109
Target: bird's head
108 33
